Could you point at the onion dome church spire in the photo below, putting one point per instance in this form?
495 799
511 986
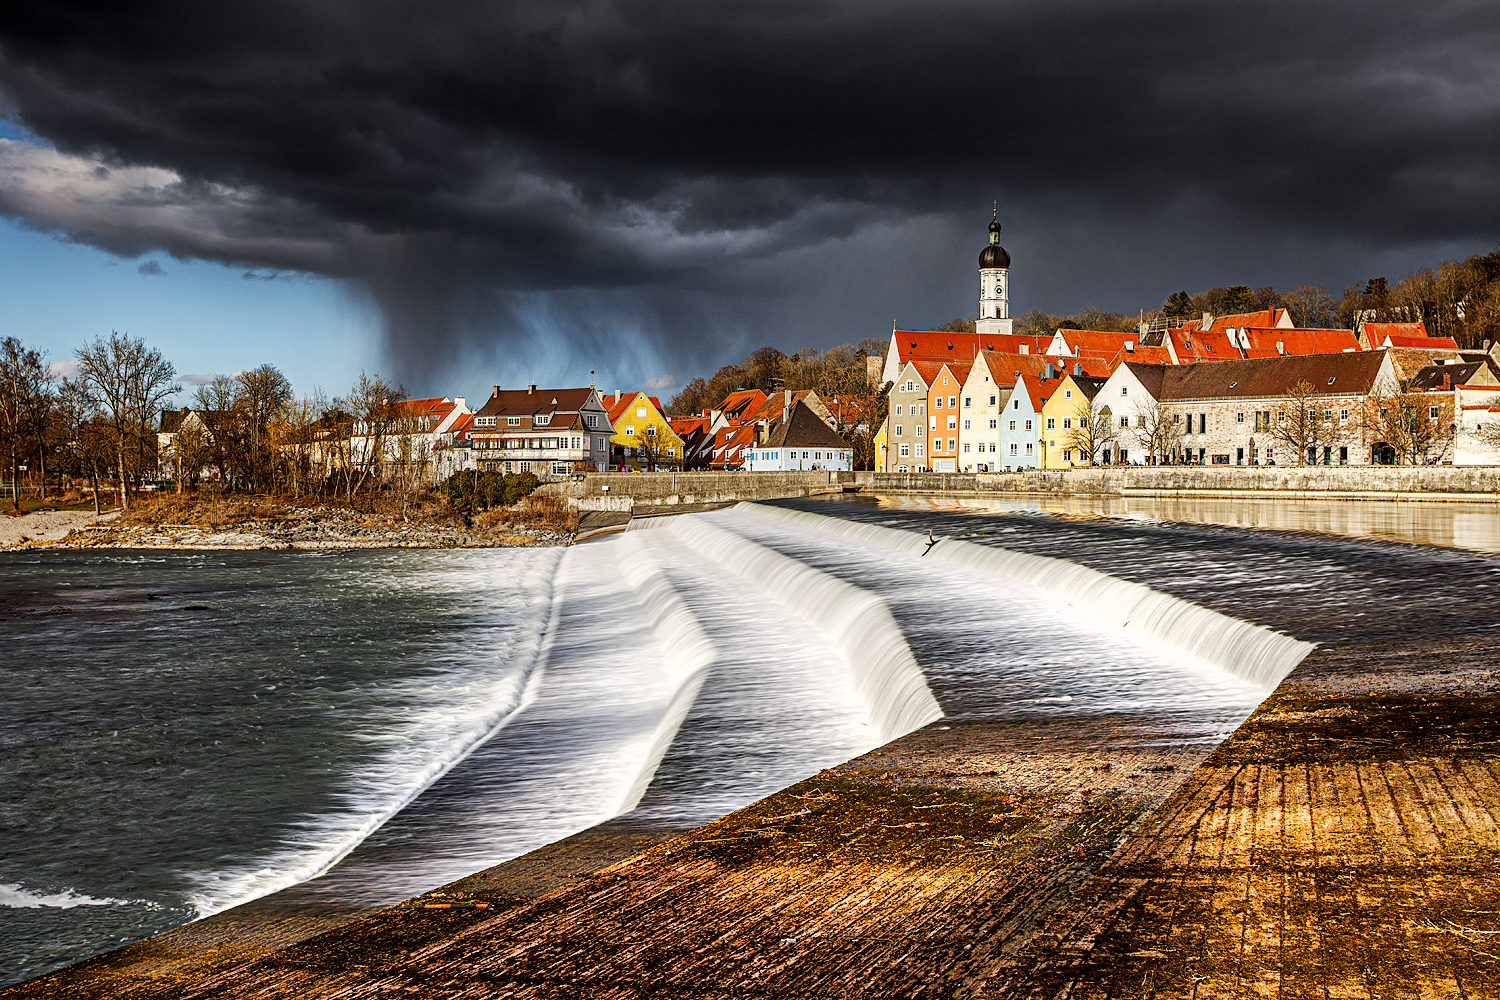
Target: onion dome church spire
994 283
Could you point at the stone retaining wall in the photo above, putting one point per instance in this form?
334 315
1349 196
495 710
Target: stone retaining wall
1394 482
623 491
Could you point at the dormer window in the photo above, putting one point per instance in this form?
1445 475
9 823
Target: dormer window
1331 378
513 421
541 420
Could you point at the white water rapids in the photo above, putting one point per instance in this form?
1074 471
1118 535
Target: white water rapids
710 659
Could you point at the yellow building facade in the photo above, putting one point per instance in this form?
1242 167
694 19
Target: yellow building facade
643 439
880 445
1064 417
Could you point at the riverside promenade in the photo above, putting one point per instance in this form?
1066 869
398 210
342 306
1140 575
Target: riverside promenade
1344 841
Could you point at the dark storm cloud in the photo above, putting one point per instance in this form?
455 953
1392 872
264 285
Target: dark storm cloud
690 178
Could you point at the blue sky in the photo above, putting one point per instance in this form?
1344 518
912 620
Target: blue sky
206 319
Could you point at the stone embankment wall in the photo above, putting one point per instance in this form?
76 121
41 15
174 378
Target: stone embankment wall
624 491
1351 482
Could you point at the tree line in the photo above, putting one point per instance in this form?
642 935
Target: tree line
246 432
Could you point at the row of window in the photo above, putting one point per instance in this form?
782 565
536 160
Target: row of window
817 456
574 443
537 420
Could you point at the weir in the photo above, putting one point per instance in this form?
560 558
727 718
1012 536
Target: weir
1009 855
882 666
1252 652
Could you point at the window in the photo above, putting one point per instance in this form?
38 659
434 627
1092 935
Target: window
541 420
1028 425
1124 390
937 403
905 449
1176 418
1125 421
593 419
899 430
1067 394
1432 412
898 409
968 401
1067 423
909 386
650 432
1343 414
945 380
1239 418
525 466
560 468
993 399
1012 447
966 447
952 445
918 409
599 443
640 411
1028 447
919 451
1067 454
512 421
952 401
1015 404
1012 425
966 424
1051 423
953 423
630 432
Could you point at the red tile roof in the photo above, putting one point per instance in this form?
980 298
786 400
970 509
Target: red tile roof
941 345
1264 341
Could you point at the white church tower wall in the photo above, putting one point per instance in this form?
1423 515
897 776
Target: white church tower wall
994 285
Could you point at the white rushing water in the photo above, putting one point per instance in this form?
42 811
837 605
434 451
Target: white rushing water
698 662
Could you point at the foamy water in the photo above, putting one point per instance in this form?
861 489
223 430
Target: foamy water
373 725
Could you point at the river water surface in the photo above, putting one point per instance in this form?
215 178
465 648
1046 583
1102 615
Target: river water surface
185 731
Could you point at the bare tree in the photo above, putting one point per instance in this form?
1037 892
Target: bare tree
130 381
1299 421
1093 429
371 402
1156 430
1310 306
88 441
260 397
25 397
1417 427
224 437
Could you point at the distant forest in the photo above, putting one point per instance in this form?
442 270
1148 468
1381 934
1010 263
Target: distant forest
1458 299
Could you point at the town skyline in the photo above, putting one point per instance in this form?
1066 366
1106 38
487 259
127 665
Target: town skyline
538 181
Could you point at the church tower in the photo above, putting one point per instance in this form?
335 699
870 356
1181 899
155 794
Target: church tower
994 284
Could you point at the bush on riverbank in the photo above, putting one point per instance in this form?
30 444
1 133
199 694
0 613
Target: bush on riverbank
474 490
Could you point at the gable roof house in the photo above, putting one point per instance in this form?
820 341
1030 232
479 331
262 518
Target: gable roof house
547 432
799 440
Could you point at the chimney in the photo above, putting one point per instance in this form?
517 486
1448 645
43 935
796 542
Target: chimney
1078 368
497 391
1208 321
1049 371
786 400
1280 347
460 403
531 388
1447 381
1025 348
1130 347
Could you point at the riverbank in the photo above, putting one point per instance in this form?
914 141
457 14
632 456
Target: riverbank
259 524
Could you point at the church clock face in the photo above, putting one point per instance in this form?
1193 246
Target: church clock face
999 287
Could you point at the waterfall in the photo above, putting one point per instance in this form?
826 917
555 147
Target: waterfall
1251 652
886 675
689 654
